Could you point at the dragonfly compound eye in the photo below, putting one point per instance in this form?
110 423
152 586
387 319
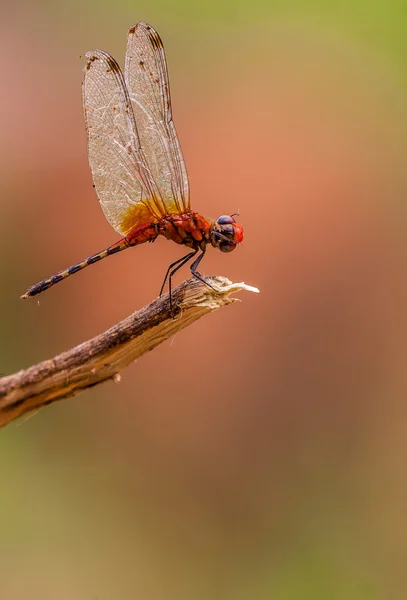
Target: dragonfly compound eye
226 246
226 220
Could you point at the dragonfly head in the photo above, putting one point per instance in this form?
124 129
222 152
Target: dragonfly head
226 234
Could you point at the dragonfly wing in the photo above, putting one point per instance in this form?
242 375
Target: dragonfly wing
121 177
147 81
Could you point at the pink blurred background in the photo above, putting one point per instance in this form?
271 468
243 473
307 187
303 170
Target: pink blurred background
261 452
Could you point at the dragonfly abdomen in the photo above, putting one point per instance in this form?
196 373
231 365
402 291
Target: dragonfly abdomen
45 284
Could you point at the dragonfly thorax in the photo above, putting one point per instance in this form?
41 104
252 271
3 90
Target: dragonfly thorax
189 228
226 234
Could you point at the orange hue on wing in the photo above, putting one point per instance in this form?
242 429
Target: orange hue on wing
134 216
140 213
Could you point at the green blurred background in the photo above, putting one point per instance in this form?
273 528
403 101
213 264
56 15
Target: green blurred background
260 454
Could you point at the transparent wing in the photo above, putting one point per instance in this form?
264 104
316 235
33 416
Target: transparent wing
124 185
147 81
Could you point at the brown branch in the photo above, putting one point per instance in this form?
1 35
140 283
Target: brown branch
104 356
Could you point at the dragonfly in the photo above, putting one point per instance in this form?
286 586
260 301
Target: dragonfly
135 157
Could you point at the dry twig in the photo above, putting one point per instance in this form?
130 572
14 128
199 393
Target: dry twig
104 356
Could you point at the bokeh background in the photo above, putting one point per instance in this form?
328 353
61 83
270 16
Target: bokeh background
260 454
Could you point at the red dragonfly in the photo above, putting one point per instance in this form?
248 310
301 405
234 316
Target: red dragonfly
137 166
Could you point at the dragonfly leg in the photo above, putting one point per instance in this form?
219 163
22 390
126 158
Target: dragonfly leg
196 274
173 268
176 262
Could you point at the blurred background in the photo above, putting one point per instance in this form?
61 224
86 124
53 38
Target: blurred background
270 464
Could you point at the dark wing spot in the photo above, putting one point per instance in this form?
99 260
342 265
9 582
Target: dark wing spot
91 59
153 41
113 66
